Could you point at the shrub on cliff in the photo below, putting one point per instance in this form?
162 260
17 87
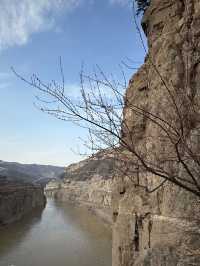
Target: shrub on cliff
142 6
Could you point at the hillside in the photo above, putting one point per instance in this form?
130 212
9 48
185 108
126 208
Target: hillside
30 173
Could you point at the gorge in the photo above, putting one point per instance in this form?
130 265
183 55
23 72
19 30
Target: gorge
154 222
159 228
87 183
36 232
22 188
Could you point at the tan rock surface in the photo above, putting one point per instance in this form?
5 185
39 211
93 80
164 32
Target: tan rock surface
17 199
88 183
162 228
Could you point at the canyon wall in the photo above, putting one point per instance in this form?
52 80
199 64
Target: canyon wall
87 183
18 199
160 228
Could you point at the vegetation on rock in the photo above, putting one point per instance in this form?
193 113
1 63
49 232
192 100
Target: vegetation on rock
142 6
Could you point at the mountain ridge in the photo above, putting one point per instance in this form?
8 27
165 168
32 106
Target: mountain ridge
30 173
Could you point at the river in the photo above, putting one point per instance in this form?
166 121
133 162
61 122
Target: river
60 235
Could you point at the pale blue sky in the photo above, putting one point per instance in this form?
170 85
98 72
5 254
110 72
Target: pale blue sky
33 34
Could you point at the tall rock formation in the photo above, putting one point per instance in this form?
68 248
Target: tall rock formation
18 199
87 183
161 228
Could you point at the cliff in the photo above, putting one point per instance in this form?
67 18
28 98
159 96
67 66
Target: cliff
18 199
88 183
160 228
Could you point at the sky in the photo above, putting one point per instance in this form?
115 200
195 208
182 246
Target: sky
33 35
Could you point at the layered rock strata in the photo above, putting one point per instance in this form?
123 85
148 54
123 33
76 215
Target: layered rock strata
161 228
87 183
19 199
94 194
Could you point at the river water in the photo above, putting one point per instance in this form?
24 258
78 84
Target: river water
61 235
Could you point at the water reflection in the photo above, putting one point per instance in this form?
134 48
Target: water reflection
63 235
83 221
15 233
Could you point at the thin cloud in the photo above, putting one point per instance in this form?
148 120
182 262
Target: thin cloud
5 85
20 19
5 80
4 75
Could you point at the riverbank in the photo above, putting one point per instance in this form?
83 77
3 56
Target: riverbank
88 183
95 195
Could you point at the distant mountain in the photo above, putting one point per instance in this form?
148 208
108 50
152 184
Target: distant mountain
31 173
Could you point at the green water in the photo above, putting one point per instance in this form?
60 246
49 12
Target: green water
61 235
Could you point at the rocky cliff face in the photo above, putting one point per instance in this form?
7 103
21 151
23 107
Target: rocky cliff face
87 183
17 199
161 228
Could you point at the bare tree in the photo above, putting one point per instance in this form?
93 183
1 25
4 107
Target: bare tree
100 110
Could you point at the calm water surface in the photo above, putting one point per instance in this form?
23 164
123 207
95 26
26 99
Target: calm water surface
61 235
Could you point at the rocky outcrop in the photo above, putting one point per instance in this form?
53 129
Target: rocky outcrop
87 183
161 228
18 199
